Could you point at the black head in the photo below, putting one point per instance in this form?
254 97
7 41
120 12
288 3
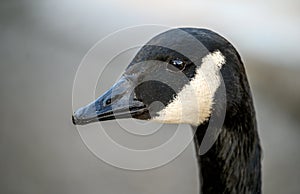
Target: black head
172 79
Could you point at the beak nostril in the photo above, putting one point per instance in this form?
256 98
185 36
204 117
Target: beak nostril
108 102
111 100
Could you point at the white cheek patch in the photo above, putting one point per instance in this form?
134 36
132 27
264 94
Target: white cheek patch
193 104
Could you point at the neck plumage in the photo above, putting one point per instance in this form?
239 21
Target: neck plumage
233 164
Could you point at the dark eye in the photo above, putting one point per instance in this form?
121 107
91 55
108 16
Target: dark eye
176 65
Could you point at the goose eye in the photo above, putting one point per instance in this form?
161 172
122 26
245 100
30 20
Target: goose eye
176 65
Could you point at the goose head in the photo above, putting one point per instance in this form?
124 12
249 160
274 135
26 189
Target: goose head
172 79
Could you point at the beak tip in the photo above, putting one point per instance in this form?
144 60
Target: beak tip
74 120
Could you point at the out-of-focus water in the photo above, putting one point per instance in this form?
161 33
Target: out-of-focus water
42 44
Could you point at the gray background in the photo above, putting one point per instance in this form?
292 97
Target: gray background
42 44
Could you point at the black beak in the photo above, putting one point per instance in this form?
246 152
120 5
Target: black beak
118 102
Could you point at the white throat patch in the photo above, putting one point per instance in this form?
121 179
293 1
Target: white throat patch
194 102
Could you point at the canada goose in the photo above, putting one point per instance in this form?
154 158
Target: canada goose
185 77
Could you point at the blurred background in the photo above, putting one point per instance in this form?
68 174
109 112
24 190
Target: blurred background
42 45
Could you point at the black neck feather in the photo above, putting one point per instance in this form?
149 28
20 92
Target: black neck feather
233 164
